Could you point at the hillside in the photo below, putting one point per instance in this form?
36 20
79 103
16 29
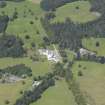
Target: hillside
52 52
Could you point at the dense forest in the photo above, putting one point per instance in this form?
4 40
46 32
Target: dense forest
11 46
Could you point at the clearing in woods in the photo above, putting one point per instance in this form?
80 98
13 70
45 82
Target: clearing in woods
77 11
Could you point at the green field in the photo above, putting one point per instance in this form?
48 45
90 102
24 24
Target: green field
57 95
27 12
80 15
28 23
11 92
90 43
93 80
38 68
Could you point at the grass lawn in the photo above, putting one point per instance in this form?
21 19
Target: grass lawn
27 12
90 44
38 68
77 11
93 80
27 29
12 91
22 8
57 95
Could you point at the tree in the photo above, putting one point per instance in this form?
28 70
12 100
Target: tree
3 23
102 60
80 73
23 82
33 44
46 40
31 22
27 37
77 7
15 15
7 101
97 44
59 70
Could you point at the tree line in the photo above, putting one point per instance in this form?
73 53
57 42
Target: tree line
3 23
89 57
81 98
48 5
17 70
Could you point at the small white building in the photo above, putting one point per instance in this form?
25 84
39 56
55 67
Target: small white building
52 55
36 83
86 52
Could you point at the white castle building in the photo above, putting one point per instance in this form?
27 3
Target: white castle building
52 55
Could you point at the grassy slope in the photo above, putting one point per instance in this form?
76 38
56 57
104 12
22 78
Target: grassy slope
69 10
92 81
57 95
12 91
18 27
22 26
38 68
90 44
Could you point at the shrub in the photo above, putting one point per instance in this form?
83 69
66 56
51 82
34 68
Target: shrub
97 44
80 73
7 101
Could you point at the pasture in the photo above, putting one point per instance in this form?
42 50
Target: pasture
27 21
93 80
78 12
11 92
57 95
91 44
28 24
38 68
